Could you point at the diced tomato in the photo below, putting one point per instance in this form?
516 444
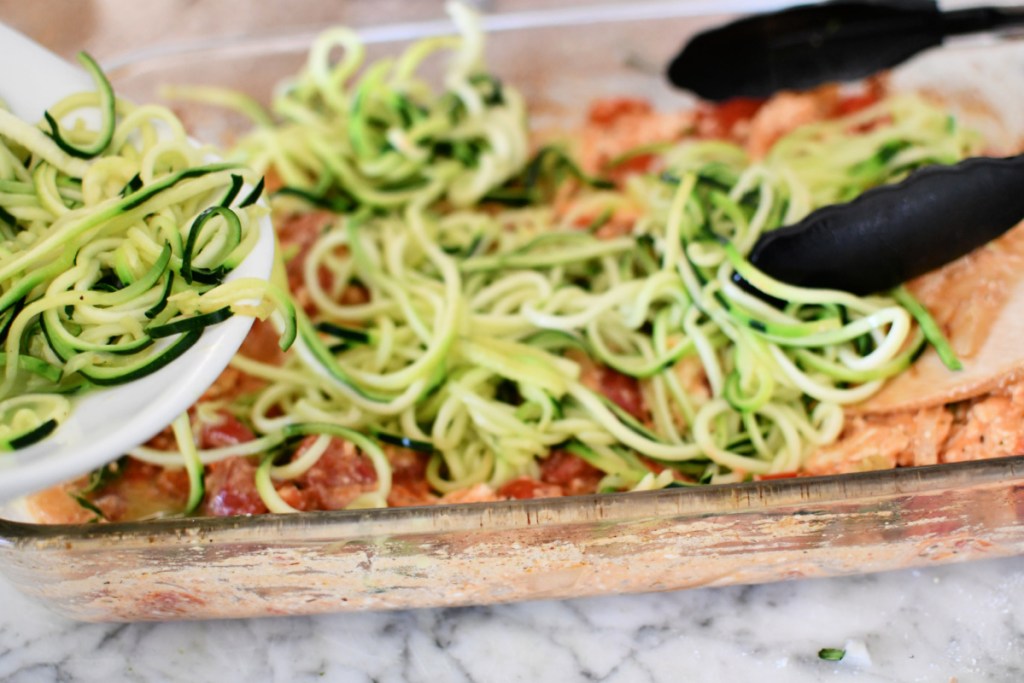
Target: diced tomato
854 103
293 496
607 111
168 481
263 343
640 163
621 126
620 172
570 472
229 431
231 488
720 120
133 470
407 466
624 391
298 233
272 181
411 493
478 493
340 475
409 484
777 475
301 230
526 488
848 104
114 503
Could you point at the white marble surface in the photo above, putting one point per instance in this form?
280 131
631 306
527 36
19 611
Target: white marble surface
960 622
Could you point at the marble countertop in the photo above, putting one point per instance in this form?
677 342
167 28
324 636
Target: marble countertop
962 623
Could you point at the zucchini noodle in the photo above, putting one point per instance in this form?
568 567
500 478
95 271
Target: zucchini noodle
386 139
488 315
114 242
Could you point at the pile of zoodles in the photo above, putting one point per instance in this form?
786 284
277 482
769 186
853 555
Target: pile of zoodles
484 300
382 139
115 243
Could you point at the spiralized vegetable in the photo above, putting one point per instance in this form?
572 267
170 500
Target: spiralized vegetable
385 139
487 307
114 242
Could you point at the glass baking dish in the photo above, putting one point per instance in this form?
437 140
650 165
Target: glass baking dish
553 548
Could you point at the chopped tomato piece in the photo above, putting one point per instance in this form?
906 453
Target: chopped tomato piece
168 481
407 466
722 120
777 475
291 495
411 493
607 111
854 103
301 230
478 493
229 431
525 488
298 233
340 475
785 113
570 472
848 104
231 489
624 391
622 125
641 163
621 389
263 343
272 182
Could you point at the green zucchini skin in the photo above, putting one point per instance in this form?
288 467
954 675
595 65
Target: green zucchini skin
403 441
107 112
30 437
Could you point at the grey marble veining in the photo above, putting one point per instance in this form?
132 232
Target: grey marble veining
961 622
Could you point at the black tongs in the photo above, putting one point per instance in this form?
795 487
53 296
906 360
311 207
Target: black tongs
801 47
894 233
889 234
